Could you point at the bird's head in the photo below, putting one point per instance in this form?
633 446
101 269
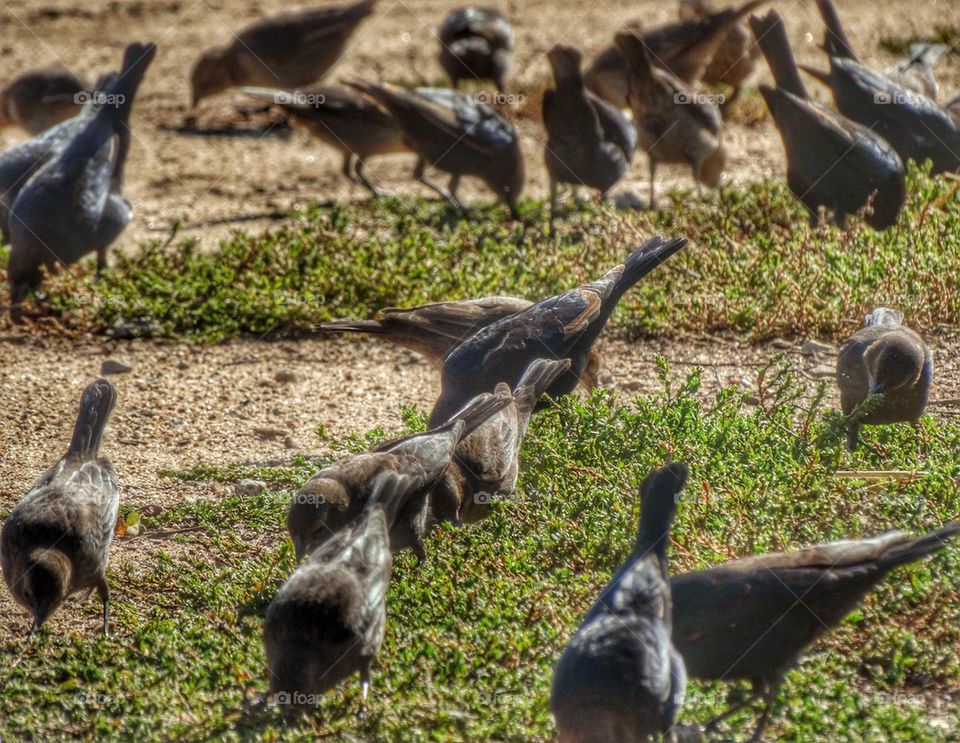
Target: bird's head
564 61
44 584
658 503
313 515
210 75
893 363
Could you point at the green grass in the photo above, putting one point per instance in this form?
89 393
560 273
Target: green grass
749 268
473 634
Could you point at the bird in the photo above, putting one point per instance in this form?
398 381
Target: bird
328 619
457 134
73 204
751 618
39 99
56 540
476 44
914 125
434 330
674 124
563 326
486 463
21 161
684 48
832 162
589 141
887 359
293 50
952 107
343 119
620 679
338 493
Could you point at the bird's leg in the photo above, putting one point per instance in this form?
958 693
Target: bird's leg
364 688
853 435
419 173
554 189
653 188
101 262
420 550
347 168
731 710
769 698
104 590
452 187
358 169
697 174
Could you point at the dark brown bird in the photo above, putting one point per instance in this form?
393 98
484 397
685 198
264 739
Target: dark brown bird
620 679
751 618
563 326
458 135
486 463
56 540
684 48
434 330
832 162
914 125
288 51
476 44
883 358
347 121
337 494
589 142
39 99
674 124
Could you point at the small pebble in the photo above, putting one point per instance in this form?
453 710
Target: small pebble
112 366
812 348
285 376
249 488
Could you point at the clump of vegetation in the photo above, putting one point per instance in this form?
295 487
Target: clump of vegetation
942 34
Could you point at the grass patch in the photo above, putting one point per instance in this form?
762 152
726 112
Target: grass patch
753 266
942 34
473 635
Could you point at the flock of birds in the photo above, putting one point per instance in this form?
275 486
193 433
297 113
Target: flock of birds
622 677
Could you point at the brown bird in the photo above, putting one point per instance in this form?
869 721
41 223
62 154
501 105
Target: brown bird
347 121
337 494
287 51
39 99
563 326
620 679
486 463
751 618
476 44
56 540
674 123
883 358
457 134
684 48
832 162
589 142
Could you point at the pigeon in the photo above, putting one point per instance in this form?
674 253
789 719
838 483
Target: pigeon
337 494
486 462
752 618
674 123
562 326
345 120
589 142
457 134
832 162
476 44
73 205
287 51
56 540
620 677
39 99
883 358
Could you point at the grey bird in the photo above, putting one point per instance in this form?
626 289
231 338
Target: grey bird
21 161
832 162
56 540
883 358
486 462
563 326
914 125
328 620
683 48
476 44
337 494
434 330
674 123
457 134
620 679
39 99
293 50
751 618
73 205
589 142
349 122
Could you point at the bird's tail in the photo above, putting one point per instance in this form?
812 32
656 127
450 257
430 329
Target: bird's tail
95 408
836 43
914 549
883 316
374 327
771 37
535 380
643 260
